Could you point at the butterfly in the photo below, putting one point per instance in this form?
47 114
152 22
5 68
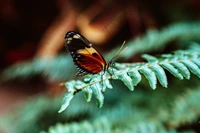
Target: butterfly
85 57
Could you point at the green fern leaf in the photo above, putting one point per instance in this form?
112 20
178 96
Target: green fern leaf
149 58
150 75
127 80
160 74
97 89
108 84
172 70
185 108
182 69
193 67
72 89
88 94
197 62
136 77
101 125
66 100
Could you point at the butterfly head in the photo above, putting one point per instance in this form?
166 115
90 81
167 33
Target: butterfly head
111 62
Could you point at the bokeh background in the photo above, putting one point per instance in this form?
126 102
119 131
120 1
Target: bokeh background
33 60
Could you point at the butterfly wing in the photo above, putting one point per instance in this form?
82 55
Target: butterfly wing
86 58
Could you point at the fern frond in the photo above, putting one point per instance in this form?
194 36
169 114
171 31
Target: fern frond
179 64
86 127
55 69
148 127
101 125
156 39
125 111
185 108
42 110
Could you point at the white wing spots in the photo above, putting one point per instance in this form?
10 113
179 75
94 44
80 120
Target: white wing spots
81 70
69 40
76 57
76 36
72 54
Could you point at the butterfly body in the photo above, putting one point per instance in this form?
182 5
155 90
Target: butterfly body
85 57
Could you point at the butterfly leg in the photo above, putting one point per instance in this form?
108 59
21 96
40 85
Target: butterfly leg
80 74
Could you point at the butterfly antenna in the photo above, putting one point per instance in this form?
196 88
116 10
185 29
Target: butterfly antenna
118 52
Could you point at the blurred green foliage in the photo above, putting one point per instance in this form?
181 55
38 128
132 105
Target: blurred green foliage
175 109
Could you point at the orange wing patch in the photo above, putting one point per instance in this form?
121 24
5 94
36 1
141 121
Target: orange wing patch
90 64
92 54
